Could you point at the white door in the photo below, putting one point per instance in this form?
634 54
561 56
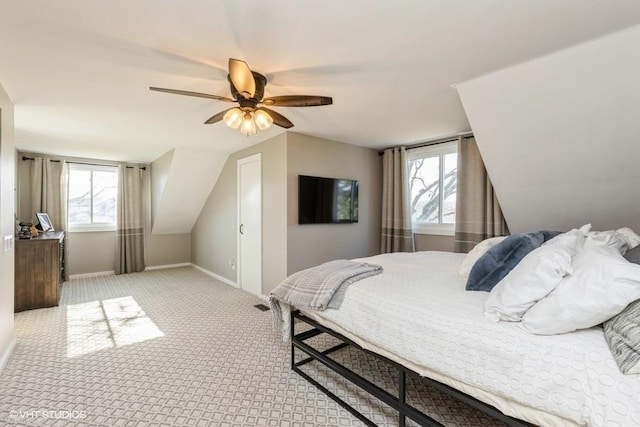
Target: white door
250 224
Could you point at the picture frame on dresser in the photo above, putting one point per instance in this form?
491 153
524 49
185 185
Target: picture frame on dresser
45 221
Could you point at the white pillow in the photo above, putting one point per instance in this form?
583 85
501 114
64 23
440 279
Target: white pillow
573 239
531 280
602 285
607 238
475 254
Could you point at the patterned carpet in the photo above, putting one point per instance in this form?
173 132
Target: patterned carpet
176 348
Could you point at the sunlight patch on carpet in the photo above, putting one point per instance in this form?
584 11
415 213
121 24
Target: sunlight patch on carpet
98 325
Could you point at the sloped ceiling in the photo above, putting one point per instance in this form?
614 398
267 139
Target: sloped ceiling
78 72
181 181
560 135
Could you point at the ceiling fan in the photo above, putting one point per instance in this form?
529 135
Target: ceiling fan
247 89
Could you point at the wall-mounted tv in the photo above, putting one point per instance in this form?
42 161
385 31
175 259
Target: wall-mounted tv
327 200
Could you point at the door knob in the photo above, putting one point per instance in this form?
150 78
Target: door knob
241 228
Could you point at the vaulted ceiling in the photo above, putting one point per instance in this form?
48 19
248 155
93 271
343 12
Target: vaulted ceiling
559 135
78 72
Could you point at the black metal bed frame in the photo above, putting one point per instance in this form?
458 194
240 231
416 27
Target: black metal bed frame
399 403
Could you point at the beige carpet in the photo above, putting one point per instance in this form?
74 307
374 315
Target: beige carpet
175 347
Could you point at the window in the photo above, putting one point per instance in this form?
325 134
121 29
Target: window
432 188
92 197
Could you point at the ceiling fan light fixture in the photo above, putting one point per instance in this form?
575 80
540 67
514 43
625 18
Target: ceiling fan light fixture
233 118
248 126
263 119
247 89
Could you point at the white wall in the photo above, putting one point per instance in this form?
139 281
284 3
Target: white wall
7 224
560 135
160 168
189 176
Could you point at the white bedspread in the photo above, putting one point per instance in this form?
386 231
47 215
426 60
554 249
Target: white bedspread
419 311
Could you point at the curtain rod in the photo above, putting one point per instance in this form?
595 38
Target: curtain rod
144 168
434 142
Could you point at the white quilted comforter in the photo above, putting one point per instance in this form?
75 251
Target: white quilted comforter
418 312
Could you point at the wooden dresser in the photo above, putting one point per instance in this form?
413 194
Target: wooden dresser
40 268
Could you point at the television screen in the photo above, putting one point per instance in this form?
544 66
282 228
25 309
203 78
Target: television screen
327 200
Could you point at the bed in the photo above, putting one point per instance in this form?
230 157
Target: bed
418 315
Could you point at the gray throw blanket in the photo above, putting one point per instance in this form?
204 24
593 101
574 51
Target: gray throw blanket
316 288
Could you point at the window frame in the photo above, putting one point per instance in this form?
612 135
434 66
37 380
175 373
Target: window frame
93 226
430 151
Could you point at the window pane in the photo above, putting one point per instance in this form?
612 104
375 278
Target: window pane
79 196
424 175
105 187
449 185
344 200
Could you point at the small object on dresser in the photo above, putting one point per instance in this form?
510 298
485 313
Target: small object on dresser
25 230
44 222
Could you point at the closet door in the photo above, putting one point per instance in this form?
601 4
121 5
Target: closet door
250 224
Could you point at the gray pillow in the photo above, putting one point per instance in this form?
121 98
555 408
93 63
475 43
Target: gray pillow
622 333
633 255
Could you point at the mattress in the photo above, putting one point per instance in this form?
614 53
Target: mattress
418 313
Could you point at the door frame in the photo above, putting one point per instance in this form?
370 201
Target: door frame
239 163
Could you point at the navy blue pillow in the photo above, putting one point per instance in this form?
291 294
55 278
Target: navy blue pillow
633 255
498 261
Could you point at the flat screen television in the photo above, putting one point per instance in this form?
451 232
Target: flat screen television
327 200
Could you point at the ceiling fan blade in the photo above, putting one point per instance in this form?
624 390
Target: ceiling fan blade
197 94
242 78
217 117
298 101
278 119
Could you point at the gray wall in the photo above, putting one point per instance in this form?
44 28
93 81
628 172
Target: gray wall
162 249
168 249
7 224
214 236
91 252
94 252
313 244
288 247
432 242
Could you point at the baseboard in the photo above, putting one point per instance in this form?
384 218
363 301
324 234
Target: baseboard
4 357
162 267
95 274
111 273
216 276
264 297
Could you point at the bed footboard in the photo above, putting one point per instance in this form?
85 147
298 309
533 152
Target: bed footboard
404 409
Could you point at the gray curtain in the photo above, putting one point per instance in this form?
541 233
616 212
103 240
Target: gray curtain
49 194
49 190
397 235
130 221
478 213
